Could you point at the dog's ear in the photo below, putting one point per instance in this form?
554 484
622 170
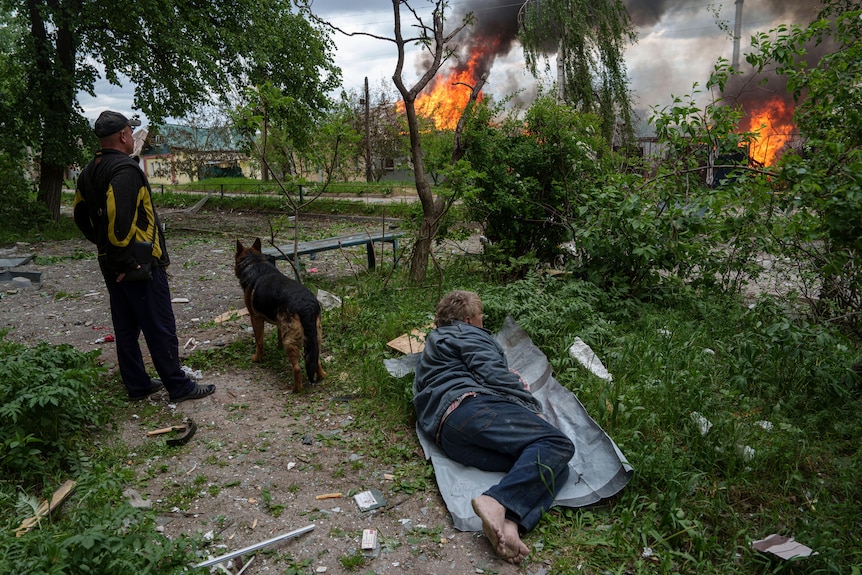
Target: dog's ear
256 244
239 247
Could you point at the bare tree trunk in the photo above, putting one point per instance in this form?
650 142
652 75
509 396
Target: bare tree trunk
51 188
436 48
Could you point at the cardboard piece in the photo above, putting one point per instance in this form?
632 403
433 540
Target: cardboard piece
229 314
783 547
413 342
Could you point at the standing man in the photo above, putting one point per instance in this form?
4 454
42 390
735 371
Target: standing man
114 209
482 414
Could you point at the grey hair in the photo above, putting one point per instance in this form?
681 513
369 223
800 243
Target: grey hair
457 306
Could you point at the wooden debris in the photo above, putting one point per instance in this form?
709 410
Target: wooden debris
46 508
329 496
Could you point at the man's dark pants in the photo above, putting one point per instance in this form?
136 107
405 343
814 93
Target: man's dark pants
145 306
494 434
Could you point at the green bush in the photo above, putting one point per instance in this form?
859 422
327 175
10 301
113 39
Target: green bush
531 174
49 401
19 209
818 192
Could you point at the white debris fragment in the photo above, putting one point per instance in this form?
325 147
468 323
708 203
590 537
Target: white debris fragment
582 352
702 423
328 300
194 374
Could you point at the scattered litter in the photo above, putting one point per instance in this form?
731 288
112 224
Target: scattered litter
328 496
389 477
236 313
321 569
250 548
180 300
291 465
328 300
191 344
746 452
708 351
135 499
368 500
413 342
582 352
401 366
193 374
702 423
370 545
107 339
783 547
313 270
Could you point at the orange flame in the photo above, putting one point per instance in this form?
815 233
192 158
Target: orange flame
448 97
773 127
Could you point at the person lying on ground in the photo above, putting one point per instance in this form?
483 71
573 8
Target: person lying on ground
482 414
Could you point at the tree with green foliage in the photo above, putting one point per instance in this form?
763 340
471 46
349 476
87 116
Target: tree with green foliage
437 47
291 157
589 39
818 189
178 54
384 129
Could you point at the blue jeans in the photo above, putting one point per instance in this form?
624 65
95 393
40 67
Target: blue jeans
494 434
146 307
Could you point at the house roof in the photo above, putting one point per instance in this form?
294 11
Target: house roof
168 136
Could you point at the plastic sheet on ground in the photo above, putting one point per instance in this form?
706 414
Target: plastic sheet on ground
598 469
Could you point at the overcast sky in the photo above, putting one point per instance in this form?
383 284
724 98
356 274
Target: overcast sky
678 43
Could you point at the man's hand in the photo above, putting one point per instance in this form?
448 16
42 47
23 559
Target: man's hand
122 275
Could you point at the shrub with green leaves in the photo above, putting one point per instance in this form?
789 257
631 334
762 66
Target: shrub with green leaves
532 173
97 531
50 399
19 209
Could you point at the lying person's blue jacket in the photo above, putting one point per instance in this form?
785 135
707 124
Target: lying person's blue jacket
459 359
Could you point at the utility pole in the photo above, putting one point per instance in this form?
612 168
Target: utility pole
368 175
737 33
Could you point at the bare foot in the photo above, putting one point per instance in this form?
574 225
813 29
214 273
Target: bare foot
501 532
513 541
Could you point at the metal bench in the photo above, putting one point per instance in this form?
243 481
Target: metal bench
310 248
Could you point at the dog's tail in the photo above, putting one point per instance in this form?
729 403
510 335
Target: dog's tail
310 319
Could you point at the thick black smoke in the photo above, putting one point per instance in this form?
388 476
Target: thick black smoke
495 31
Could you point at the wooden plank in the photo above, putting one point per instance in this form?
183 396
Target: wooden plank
46 508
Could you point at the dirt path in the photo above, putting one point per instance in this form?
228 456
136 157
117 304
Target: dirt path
261 455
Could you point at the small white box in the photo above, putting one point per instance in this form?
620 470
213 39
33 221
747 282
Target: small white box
369 539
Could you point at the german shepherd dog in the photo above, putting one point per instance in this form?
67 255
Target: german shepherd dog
272 297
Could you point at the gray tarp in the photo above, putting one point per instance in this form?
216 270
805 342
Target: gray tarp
598 469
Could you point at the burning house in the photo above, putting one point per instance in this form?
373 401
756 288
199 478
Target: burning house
768 108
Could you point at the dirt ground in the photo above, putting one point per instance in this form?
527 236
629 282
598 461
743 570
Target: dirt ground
261 455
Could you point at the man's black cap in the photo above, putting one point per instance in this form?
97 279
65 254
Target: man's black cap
112 122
